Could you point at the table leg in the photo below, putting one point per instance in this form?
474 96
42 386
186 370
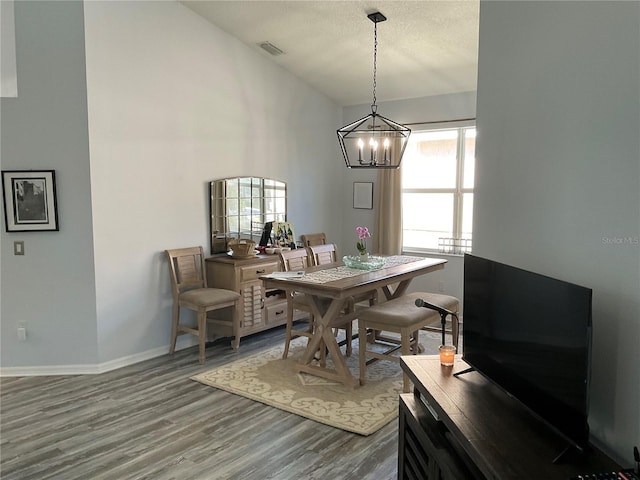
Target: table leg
401 289
324 334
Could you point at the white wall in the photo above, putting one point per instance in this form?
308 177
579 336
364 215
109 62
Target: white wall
558 174
174 103
51 287
425 109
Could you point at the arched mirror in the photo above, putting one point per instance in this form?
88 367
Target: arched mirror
241 206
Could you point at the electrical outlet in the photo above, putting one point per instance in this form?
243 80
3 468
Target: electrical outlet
18 247
22 332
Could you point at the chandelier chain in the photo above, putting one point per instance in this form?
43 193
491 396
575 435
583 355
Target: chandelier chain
375 55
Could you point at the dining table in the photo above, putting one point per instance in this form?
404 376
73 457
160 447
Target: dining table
331 288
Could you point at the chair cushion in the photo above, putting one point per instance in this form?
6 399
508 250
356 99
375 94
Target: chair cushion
445 301
402 312
208 296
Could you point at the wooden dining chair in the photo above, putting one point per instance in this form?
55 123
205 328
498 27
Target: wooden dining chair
309 239
190 290
296 259
323 253
292 260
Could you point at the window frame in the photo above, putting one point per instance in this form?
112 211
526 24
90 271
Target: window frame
458 191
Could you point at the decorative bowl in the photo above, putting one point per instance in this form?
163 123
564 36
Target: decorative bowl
372 263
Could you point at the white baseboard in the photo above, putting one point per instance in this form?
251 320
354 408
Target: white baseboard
183 342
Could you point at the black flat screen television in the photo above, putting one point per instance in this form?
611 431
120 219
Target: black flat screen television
531 335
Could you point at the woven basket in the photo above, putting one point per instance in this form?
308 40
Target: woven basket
242 247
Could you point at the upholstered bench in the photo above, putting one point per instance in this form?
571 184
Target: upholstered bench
402 316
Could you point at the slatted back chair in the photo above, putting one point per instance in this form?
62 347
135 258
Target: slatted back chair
189 289
323 254
292 260
310 239
296 259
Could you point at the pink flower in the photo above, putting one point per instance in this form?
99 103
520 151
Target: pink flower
363 234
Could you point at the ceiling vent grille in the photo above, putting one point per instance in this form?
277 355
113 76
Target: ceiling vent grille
270 48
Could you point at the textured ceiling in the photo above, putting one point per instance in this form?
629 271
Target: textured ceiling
424 48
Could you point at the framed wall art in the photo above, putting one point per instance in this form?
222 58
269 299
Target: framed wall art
363 195
283 235
30 200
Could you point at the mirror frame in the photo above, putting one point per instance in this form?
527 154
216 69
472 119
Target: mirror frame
261 199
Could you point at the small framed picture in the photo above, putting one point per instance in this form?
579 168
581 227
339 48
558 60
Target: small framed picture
363 195
283 235
30 200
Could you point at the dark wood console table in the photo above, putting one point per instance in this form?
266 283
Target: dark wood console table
467 428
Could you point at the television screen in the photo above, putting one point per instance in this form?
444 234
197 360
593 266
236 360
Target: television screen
531 335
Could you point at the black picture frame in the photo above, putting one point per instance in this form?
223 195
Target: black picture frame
363 195
30 203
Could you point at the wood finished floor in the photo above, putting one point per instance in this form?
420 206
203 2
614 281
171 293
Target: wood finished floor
149 421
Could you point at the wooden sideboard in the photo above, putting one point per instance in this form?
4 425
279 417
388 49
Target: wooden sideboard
259 308
468 428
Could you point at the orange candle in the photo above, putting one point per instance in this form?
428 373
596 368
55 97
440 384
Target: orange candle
447 354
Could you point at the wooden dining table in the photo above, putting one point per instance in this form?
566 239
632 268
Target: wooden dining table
340 284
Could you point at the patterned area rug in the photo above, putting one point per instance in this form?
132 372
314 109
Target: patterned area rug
269 379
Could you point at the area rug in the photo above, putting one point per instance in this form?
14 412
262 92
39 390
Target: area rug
267 378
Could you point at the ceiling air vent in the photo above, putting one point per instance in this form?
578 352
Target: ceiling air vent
270 48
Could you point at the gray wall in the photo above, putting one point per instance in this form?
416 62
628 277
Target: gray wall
558 174
51 287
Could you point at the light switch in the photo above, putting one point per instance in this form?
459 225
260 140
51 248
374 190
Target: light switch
18 247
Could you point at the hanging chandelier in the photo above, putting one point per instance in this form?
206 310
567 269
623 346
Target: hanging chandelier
373 141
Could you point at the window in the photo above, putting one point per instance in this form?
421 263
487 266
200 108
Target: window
437 190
